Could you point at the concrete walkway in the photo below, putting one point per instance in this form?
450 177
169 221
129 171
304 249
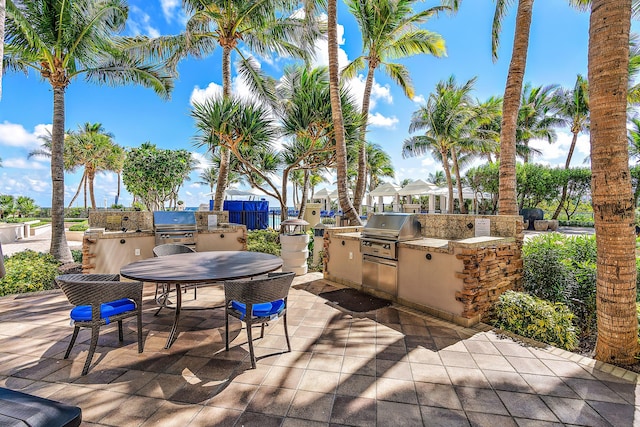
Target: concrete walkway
39 243
388 367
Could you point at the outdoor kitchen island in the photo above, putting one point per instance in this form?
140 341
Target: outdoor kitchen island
119 238
446 271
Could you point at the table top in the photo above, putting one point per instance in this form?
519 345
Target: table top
199 267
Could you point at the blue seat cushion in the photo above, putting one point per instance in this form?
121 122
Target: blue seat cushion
266 309
108 309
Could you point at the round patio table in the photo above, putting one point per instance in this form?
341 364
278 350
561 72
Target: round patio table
199 267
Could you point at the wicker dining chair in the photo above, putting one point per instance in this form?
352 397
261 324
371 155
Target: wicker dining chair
100 299
163 288
264 298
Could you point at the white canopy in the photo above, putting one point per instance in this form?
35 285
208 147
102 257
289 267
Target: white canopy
323 193
418 188
334 193
385 189
467 193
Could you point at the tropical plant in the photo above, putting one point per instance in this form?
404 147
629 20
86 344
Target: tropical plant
336 109
611 184
379 165
574 109
444 120
63 40
7 205
507 204
154 175
390 31
94 150
536 183
261 26
537 118
25 206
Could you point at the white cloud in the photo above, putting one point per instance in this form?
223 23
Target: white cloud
321 52
169 9
202 161
20 163
139 22
15 135
378 92
239 87
419 99
378 120
555 154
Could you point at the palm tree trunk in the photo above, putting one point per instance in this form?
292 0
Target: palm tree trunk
511 103
303 199
563 197
59 247
336 113
456 169
447 174
91 174
84 186
118 193
361 181
3 11
75 196
611 183
225 155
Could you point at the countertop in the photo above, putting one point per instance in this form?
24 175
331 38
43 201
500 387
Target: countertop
102 233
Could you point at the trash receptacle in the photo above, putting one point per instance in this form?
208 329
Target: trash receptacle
294 244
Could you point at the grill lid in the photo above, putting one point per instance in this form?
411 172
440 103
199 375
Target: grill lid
392 226
174 220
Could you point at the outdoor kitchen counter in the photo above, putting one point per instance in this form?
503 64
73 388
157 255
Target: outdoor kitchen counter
448 246
348 236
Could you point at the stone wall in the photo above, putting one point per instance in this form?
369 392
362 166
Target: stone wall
459 226
487 273
141 220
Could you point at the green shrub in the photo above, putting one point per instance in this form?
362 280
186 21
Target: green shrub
545 274
77 255
582 297
531 317
263 241
82 226
29 271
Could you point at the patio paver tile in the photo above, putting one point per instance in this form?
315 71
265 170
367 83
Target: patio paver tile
593 390
394 390
524 422
438 395
233 396
508 381
282 376
549 386
357 385
472 377
320 381
529 365
398 414
526 405
354 411
617 414
223 417
271 400
480 400
443 417
134 411
574 411
312 406
481 419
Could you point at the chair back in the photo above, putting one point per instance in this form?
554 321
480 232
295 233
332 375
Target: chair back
260 290
171 249
96 289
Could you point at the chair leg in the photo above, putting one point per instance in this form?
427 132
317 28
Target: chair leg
251 354
286 331
262 331
120 332
226 328
95 330
76 329
139 329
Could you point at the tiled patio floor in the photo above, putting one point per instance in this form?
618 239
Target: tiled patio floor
390 367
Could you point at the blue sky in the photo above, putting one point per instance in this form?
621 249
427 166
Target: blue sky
557 52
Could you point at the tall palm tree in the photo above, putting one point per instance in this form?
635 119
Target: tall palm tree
379 165
507 203
262 26
336 110
94 150
574 108
536 117
63 40
390 31
444 120
613 208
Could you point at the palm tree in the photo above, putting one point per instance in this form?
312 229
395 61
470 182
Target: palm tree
485 130
390 31
444 119
574 108
437 178
611 184
634 139
262 26
3 9
336 109
63 40
536 117
379 165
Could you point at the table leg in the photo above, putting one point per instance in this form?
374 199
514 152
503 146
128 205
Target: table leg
176 317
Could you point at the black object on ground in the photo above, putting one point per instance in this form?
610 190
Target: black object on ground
21 409
354 300
531 215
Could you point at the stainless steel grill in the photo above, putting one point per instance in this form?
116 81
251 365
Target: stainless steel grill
379 248
175 227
